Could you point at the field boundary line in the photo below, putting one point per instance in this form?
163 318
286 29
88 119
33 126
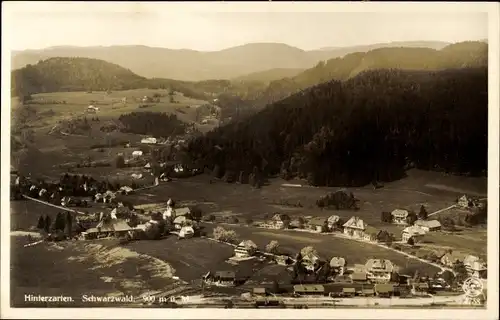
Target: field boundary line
52 205
442 210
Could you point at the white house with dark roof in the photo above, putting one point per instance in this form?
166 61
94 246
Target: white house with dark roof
245 249
355 228
414 232
399 216
332 222
379 270
475 266
428 225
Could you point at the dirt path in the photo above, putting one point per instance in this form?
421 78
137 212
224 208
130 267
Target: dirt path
52 205
442 210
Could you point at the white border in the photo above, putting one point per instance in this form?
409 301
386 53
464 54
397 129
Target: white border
493 166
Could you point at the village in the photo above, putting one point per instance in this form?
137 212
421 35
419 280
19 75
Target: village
93 210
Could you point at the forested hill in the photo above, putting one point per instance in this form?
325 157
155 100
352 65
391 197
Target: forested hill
72 74
370 127
459 55
83 74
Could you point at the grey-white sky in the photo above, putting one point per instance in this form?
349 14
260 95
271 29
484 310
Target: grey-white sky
192 27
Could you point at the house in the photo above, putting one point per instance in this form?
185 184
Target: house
355 228
186 232
333 222
379 270
399 216
92 109
280 221
105 229
126 189
450 258
371 234
465 202
428 225
120 212
221 278
475 266
245 249
317 224
184 211
310 260
337 264
149 141
309 289
414 232
136 175
137 153
181 221
147 166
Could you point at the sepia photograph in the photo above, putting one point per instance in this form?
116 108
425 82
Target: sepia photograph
337 158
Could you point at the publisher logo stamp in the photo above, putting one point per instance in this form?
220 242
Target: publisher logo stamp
473 287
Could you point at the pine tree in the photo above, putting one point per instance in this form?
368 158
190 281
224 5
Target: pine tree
422 214
41 222
48 224
69 224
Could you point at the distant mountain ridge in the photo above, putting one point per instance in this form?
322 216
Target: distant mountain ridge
192 65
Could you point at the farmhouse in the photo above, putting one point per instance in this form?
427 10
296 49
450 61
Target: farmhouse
105 229
399 216
184 211
475 267
333 222
186 232
338 265
280 221
317 224
245 249
149 141
450 258
428 225
283 260
137 176
181 221
309 289
310 260
465 202
355 228
126 189
221 278
137 153
414 232
379 270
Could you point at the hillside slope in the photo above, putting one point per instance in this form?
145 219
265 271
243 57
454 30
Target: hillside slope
459 55
269 75
370 127
191 65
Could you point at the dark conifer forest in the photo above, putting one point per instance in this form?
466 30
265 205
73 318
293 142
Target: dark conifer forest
369 128
152 123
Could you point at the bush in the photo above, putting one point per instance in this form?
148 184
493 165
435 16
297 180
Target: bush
249 221
272 247
120 161
224 235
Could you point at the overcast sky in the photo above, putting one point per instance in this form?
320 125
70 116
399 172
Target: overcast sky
207 30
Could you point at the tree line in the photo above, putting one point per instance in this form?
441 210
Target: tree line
152 123
370 128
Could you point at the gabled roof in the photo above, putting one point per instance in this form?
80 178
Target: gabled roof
281 217
337 262
180 219
400 213
355 223
182 211
113 225
225 274
333 219
379 265
414 231
428 223
247 244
